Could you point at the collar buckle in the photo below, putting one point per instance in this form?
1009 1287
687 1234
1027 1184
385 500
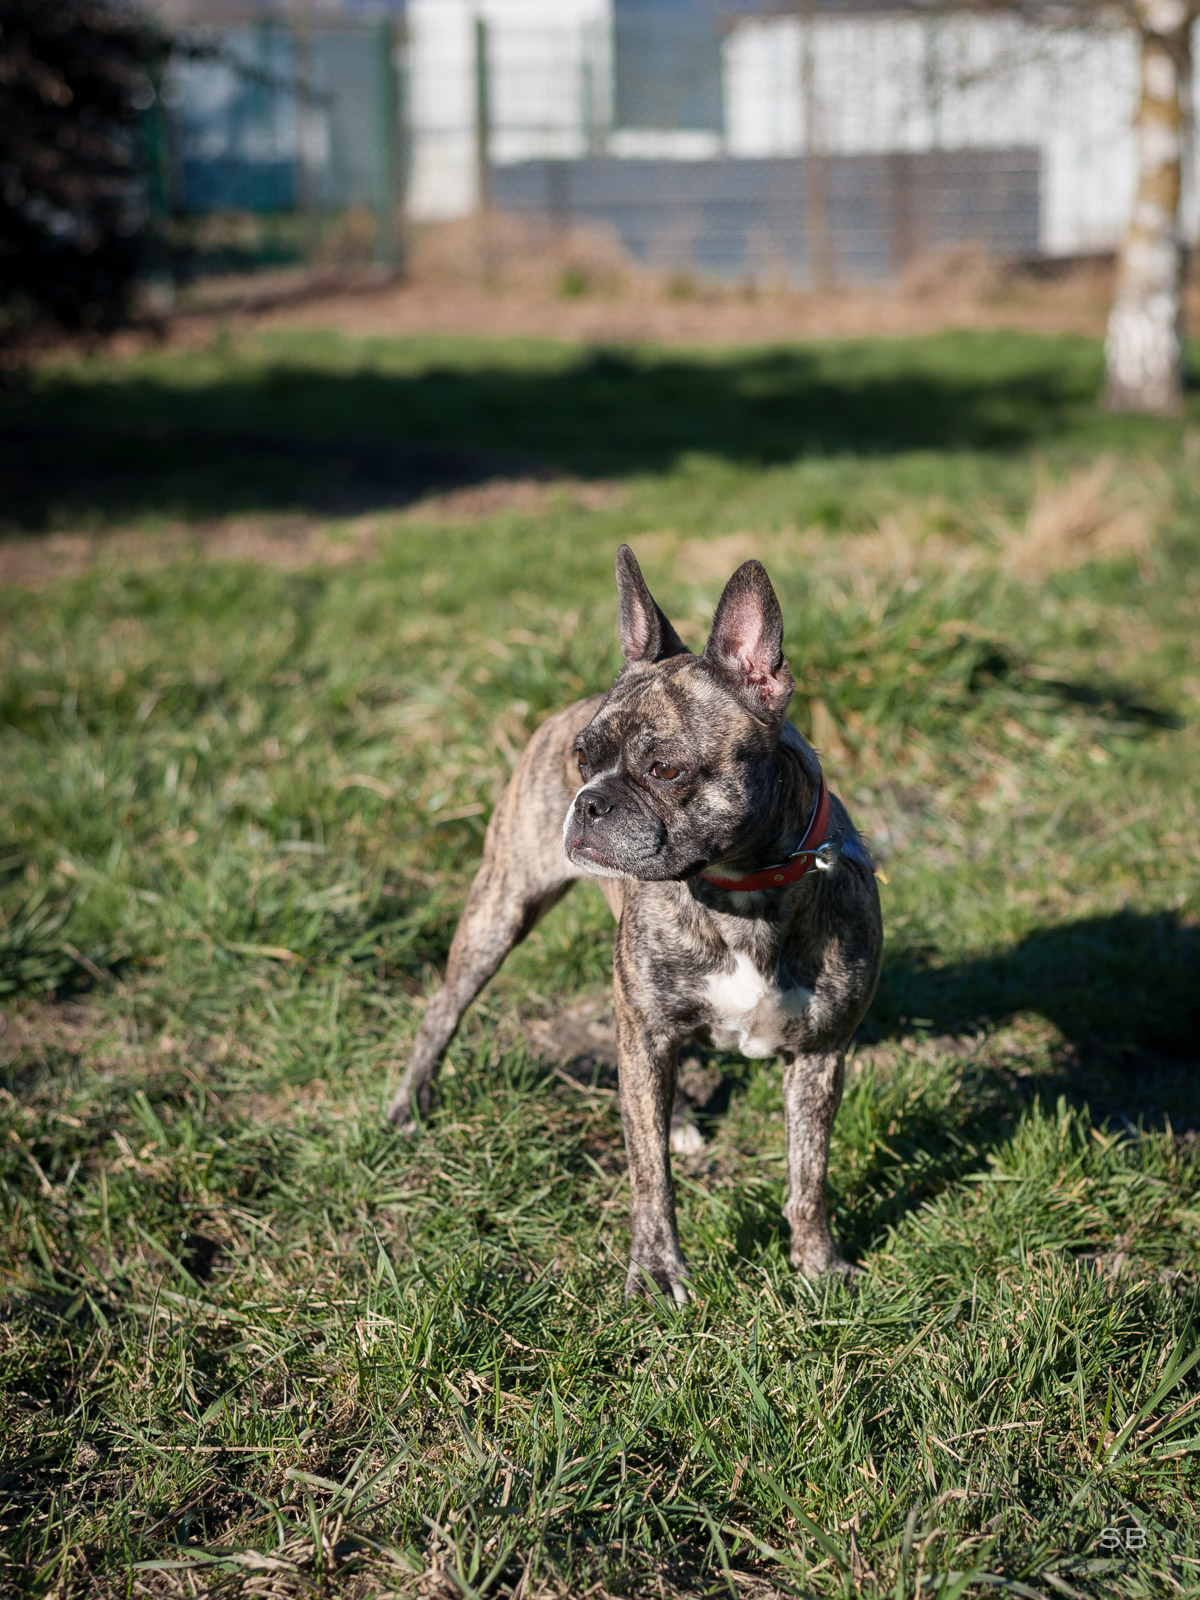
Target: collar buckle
825 856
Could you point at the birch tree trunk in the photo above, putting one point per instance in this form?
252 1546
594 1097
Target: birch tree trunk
1143 351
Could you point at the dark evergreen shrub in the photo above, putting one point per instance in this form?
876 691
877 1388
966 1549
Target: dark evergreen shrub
76 83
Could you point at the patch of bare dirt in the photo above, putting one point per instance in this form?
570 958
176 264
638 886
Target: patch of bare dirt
685 316
39 1033
523 496
580 1042
580 1039
508 282
288 542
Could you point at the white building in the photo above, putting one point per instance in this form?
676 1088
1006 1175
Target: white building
866 83
548 80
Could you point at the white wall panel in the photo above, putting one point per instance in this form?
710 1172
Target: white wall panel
860 84
549 79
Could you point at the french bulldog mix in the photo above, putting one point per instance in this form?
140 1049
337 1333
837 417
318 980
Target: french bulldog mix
746 905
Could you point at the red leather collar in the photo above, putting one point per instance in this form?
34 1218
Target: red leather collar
796 865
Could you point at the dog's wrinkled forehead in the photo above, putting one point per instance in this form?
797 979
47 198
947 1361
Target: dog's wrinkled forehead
674 706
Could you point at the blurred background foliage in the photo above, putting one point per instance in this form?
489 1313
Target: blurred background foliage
76 83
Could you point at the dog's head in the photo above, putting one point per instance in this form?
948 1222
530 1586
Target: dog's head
677 762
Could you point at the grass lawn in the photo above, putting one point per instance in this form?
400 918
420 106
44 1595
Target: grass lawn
251 1341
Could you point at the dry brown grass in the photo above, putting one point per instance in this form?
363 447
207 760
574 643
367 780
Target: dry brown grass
1096 513
897 548
1091 515
1086 517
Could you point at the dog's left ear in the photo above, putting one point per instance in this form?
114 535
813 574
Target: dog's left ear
746 643
646 635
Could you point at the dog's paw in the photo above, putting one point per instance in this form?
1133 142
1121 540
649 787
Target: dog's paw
401 1113
817 1257
847 1271
686 1138
658 1280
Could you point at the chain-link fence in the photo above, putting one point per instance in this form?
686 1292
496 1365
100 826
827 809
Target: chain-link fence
805 147
805 220
794 147
283 142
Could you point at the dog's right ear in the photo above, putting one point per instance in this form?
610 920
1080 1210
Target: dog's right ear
646 635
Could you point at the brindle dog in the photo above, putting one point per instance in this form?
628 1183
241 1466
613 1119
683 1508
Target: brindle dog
687 766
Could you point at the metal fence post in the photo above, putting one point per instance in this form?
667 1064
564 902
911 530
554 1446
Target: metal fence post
596 96
818 229
483 117
267 200
387 188
306 198
403 144
483 144
160 279
933 78
587 99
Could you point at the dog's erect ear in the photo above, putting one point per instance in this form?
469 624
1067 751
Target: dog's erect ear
646 635
746 643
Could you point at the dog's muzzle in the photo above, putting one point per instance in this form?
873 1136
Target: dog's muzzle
581 844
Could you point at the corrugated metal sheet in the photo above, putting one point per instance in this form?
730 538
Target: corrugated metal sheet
853 218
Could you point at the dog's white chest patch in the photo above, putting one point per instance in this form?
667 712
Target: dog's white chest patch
750 1012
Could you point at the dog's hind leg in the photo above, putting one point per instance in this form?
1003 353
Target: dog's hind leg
498 915
523 873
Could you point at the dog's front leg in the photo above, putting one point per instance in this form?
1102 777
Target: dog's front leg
812 1092
647 1066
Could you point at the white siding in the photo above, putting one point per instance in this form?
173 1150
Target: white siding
859 84
549 89
850 84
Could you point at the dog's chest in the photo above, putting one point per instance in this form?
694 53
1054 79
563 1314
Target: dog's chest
751 1012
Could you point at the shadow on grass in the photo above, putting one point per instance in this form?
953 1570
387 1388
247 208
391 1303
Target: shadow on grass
115 470
297 436
1122 990
1122 993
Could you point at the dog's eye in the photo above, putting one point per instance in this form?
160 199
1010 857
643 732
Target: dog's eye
581 760
659 770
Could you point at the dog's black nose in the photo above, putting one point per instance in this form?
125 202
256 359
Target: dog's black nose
590 803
